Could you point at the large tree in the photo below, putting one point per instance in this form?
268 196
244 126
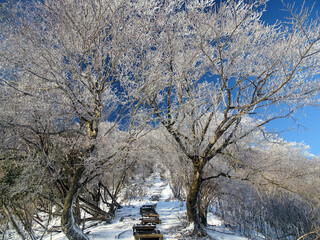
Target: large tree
204 68
59 67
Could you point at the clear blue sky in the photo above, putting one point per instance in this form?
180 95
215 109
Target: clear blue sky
306 127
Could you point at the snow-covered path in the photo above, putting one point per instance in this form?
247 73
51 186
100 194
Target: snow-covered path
171 212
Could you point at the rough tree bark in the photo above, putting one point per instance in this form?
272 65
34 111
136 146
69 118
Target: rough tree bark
67 219
193 206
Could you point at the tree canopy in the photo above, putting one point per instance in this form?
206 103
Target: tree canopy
82 81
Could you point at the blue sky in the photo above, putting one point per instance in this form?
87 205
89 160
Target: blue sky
306 124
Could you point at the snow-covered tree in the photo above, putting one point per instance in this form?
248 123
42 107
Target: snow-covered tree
59 67
282 200
202 68
210 73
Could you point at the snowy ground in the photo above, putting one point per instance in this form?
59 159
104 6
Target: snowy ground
172 214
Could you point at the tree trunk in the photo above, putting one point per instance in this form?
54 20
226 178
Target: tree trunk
193 206
206 197
69 227
203 214
77 212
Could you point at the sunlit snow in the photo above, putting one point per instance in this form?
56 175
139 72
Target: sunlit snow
171 211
